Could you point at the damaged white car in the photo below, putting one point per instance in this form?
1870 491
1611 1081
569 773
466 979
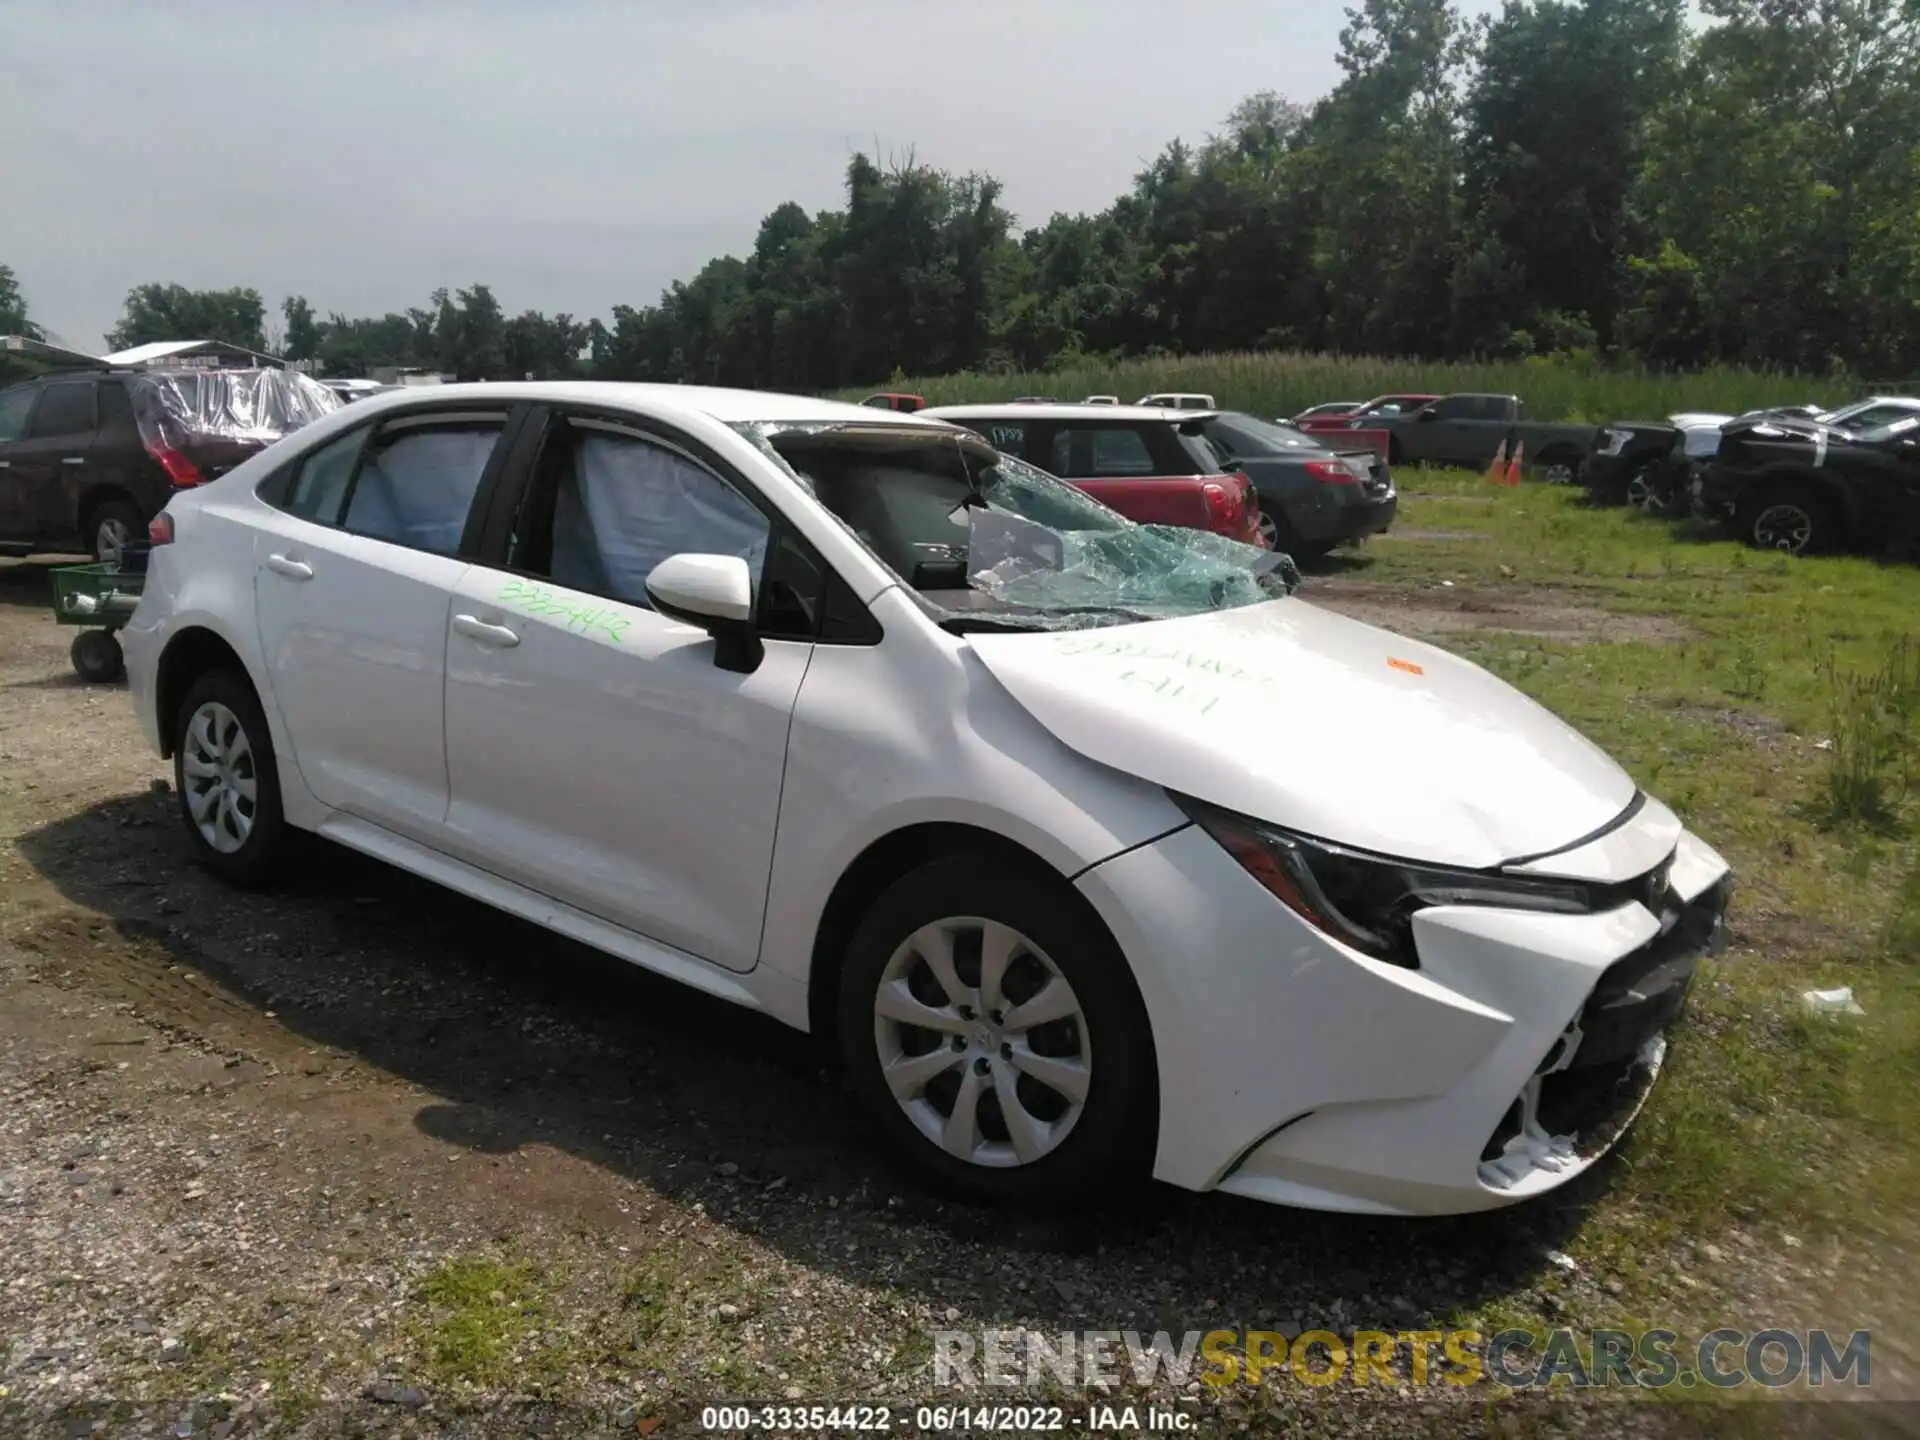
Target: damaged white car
1093 850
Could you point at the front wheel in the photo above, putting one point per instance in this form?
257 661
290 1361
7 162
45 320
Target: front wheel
224 774
997 1037
1791 520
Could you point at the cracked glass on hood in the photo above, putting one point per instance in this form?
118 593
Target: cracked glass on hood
994 542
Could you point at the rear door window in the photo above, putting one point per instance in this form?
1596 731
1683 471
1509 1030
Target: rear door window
64 410
417 479
1456 407
1090 452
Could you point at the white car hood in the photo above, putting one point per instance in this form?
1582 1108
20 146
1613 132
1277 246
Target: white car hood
1321 724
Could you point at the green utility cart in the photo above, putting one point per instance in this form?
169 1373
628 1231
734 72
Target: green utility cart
102 598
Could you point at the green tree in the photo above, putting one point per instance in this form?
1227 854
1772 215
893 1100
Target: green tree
173 312
303 332
1556 131
13 308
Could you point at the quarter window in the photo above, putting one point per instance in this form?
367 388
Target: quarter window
319 485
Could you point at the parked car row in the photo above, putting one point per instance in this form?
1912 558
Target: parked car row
1233 473
1792 478
866 722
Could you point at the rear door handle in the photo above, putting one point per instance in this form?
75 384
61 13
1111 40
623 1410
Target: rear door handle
292 569
474 628
73 459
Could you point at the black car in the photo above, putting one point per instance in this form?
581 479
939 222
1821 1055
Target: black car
87 458
1804 486
1650 464
1312 497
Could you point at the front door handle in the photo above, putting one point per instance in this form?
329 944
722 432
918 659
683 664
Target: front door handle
474 628
73 459
292 569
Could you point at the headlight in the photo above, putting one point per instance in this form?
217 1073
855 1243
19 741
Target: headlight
1368 901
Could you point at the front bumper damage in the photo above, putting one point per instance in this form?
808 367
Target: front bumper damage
1296 1070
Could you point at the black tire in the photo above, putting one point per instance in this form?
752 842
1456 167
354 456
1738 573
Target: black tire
1556 459
1287 542
1112 1137
97 656
100 521
1792 518
256 858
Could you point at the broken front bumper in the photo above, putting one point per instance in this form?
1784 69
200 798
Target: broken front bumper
1295 1070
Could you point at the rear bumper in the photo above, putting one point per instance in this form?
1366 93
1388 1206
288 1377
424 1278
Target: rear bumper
1349 522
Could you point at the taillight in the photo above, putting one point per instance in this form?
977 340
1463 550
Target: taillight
1332 472
160 529
1229 502
181 471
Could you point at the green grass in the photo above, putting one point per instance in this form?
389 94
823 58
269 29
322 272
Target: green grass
480 1322
1282 383
1781 725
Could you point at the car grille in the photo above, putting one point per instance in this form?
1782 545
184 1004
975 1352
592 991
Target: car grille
1640 994
1592 1092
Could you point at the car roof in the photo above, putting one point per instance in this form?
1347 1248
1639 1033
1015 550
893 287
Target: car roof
1013 410
714 402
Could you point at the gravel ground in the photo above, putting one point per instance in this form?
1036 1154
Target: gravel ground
360 1156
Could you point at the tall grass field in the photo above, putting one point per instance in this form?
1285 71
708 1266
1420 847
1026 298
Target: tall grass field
1282 383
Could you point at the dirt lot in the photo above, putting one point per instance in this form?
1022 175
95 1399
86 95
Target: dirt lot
359 1156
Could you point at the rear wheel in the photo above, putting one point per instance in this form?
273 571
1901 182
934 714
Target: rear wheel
224 774
1558 467
996 1036
109 528
1793 519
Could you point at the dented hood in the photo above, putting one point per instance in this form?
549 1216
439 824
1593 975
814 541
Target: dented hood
1309 720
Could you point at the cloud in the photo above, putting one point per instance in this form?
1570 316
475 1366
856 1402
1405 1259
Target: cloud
574 155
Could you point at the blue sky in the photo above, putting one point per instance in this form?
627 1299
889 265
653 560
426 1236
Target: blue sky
574 155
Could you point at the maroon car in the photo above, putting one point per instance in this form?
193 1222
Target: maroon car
88 457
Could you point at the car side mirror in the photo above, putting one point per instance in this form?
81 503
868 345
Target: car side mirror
715 593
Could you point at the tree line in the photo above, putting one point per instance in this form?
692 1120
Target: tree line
1588 176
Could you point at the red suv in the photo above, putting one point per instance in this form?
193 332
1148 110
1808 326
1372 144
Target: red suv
1151 464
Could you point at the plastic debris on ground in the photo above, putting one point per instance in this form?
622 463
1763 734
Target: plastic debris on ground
1832 1002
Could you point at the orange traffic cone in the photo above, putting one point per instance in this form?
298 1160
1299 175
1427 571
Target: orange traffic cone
1519 458
1497 472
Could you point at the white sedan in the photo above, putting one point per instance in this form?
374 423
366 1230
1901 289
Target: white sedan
1093 850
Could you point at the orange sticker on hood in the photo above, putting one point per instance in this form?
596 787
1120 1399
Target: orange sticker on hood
1406 665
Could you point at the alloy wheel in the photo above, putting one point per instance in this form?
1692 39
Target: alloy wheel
1557 473
110 538
982 1042
222 790
1783 525
1269 530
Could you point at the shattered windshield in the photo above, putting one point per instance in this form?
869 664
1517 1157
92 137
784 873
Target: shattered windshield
994 543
